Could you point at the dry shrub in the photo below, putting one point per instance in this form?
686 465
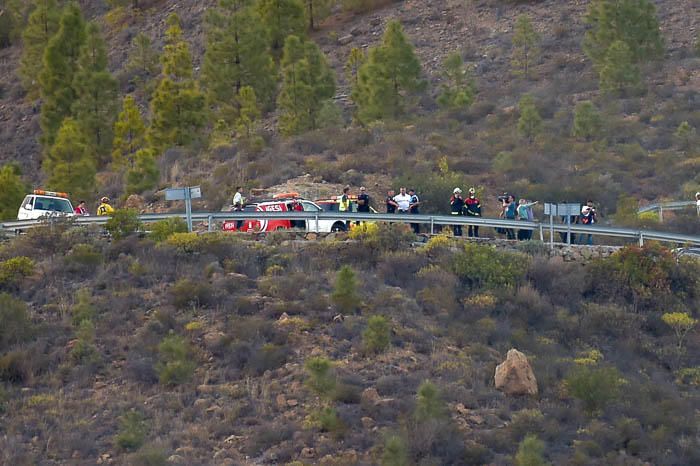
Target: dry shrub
400 267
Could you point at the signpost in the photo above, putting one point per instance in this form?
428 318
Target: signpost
185 194
567 210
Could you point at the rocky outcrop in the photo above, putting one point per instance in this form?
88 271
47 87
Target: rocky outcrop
514 376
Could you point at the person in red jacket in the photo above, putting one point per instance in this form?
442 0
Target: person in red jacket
81 209
472 208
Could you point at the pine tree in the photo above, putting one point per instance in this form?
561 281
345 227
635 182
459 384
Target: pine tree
458 90
60 65
97 94
587 121
391 70
618 73
352 67
69 164
143 59
41 26
307 82
525 47
530 452
248 114
685 133
237 55
129 134
282 18
143 174
530 121
12 192
632 22
178 105
10 22
317 10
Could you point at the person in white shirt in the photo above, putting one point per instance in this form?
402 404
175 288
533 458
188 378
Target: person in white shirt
238 205
697 202
403 201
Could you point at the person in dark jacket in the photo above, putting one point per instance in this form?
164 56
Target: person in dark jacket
472 208
456 206
391 204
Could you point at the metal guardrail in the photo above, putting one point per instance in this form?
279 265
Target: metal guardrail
432 220
677 205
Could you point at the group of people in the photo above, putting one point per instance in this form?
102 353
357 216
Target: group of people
516 210
403 203
103 209
470 207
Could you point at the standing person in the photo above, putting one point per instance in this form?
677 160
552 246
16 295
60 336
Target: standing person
524 210
344 203
509 212
456 206
362 202
238 205
472 208
413 208
297 207
81 209
697 202
403 201
104 208
588 217
391 204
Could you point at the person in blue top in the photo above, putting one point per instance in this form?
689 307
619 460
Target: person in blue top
509 213
524 212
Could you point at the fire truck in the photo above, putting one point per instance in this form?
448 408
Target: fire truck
286 202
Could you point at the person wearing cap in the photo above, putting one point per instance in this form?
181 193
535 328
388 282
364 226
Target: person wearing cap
588 217
697 202
472 208
456 206
363 202
104 207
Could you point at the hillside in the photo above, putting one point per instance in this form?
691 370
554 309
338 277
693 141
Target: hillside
222 350
635 157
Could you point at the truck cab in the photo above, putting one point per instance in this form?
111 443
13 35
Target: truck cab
42 203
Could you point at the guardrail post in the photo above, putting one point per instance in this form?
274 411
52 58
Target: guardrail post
541 233
432 225
317 231
210 224
661 214
641 239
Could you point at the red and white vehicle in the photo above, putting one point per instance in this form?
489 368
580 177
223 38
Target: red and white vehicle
286 202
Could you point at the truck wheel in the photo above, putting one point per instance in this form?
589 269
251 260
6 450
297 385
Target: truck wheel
338 226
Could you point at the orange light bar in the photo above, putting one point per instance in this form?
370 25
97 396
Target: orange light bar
41 192
285 195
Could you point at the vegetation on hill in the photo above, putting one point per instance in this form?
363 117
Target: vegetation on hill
176 348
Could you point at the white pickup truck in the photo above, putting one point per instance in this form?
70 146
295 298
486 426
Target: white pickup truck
45 204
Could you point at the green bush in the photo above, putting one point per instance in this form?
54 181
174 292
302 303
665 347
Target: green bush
376 337
595 387
15 325
329 421
363 6
83 308
149 456
83 258
13 270
175 365
132 431
16 367
162 229
396 451
187 293
84 350
123 222
530 452
344 296
430 404
322 378
485 267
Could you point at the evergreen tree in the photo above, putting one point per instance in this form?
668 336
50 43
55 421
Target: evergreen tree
525 46
12 192
458 89
248 114
316 10
41 26
10 22
391 70
632 22
530 452
282 18
530 121
129 134
618 73
178 104
307 82
143 174
429 404
344 296
237 55
352 67
685 133
97 94
587 121
60 65
396 452
143 59
69 165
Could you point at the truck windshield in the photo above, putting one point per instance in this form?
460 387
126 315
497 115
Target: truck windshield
53 205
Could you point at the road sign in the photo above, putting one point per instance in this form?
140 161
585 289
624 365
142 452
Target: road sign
564 209
184 194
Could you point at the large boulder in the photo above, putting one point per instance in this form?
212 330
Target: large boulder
514 376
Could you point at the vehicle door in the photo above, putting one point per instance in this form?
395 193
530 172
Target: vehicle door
312 225
26 209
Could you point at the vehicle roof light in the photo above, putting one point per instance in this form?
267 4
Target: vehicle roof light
50 193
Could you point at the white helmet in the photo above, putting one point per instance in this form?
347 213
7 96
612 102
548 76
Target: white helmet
457 191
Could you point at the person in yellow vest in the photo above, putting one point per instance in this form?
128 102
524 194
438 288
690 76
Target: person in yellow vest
344 203
104 207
